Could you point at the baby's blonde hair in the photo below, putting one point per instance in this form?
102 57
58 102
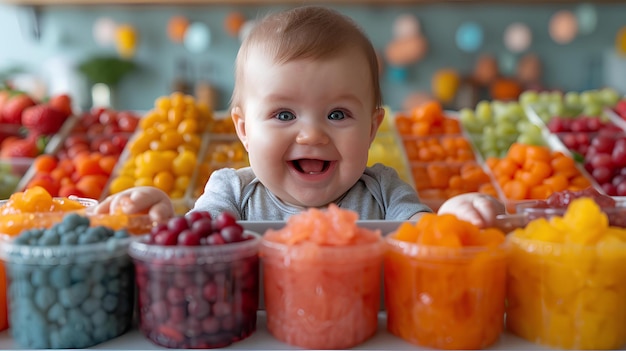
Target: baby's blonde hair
307 32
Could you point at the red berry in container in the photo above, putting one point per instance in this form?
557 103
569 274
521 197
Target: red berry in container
211 270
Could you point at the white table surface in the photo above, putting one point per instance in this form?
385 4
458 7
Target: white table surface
263 340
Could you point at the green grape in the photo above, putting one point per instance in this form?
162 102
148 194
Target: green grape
468 120
589 97
572 98
489 131
504 117
556 109
522 126
497 107
533 129
506 128
483 112
516 110
503 144
544 97
488 144
530 139
528 97
609 97
555 96
592 110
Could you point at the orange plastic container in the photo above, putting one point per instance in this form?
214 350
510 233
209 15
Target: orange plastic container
444 297
322 297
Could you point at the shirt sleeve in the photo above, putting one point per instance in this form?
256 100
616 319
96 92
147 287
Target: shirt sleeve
400 198
221 193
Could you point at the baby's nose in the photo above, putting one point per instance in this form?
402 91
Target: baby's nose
312 134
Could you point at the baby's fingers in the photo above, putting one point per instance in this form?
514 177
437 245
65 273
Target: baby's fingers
464 210
101 208
487 208
161 212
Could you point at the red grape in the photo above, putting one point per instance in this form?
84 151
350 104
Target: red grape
602 160
224 220
618 155
177 225
602 174
189 238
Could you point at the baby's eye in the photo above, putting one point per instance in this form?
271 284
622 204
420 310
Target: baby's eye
336 115
285 116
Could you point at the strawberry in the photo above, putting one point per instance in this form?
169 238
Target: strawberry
43 119
63 103
4 97
12 109
19 148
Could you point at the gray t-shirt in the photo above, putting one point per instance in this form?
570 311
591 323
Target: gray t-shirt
379 194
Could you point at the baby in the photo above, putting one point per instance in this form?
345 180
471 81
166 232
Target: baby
307 105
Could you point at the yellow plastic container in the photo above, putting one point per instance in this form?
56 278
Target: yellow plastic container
567 296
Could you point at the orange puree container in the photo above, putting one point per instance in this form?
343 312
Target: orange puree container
445 297
322 297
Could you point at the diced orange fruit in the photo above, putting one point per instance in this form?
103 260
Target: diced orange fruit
449 291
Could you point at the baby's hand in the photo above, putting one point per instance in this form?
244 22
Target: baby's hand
136 200
478 209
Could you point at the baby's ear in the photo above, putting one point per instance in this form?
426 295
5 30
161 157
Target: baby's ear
240 124
377 120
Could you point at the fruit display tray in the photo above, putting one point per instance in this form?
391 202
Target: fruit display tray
554 143
559 141
218 151
181 205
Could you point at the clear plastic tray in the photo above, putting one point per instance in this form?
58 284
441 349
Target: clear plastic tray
181 205
554 144
219 151
436 182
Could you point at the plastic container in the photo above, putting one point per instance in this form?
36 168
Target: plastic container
567 296
197 296
446 298
64 297
322 297
26 220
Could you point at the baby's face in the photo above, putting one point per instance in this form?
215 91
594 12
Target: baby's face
307 125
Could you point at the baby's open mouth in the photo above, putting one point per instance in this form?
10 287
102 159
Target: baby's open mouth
310 166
